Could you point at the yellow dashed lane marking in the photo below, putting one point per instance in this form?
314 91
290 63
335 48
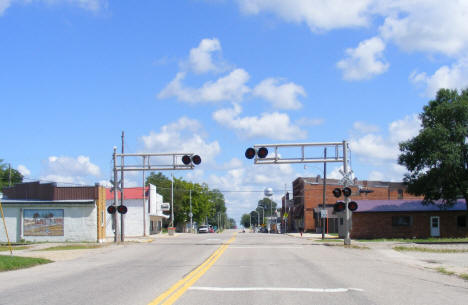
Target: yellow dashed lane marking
177 290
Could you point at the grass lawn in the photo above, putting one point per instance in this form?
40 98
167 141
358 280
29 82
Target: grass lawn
6 248
417 240
71 247
422 249
8 262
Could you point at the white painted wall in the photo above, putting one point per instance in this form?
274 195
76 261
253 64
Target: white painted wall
133 220
79 223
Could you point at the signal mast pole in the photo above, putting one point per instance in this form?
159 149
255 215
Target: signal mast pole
260 155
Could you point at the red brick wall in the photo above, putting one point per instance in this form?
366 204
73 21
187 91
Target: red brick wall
379 225
312 194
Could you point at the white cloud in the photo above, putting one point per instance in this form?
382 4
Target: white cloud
376 176
365 128
185 135
365 61
245 184
310 122
200 58
4 4
382 151
426 25
317 14
90 5
24 170
281 95
228 88
454 77
376 148
70 170
274 125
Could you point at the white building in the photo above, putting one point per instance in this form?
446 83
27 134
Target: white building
45 212
143 217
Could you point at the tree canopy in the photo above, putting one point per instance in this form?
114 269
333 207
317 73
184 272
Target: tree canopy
245 220
207 204
437 158
5 176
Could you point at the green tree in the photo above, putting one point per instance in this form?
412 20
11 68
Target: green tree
6 175
268 205
437 158
232 223
206 203
245 220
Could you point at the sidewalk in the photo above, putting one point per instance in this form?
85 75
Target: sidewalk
312 236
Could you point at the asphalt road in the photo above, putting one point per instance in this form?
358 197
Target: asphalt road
222 269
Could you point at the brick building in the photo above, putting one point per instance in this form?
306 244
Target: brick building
408 219
308 200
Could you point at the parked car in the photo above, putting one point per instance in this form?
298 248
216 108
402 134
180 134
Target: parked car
203 229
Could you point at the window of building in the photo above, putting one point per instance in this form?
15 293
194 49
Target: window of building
400 194
341 221
461 221
402 221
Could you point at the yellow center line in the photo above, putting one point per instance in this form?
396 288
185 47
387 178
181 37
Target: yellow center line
191 278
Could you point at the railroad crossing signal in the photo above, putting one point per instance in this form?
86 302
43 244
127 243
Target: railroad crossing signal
341 206
262 152
195 159
111 209
122 209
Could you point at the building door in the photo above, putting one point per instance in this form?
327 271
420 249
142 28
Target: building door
435 226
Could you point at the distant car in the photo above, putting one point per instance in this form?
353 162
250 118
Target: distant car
263 230
203 229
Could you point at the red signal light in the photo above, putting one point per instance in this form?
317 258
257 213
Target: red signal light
262 152
347 192
250 153
339 206
196 159
111 209
337 192
186 160
122 209
353 206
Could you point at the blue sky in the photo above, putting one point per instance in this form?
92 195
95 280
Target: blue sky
215 77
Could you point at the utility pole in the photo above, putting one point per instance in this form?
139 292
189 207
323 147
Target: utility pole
114 216
144 195
347 239
9 175
172 200
324 191
122 227
191 214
